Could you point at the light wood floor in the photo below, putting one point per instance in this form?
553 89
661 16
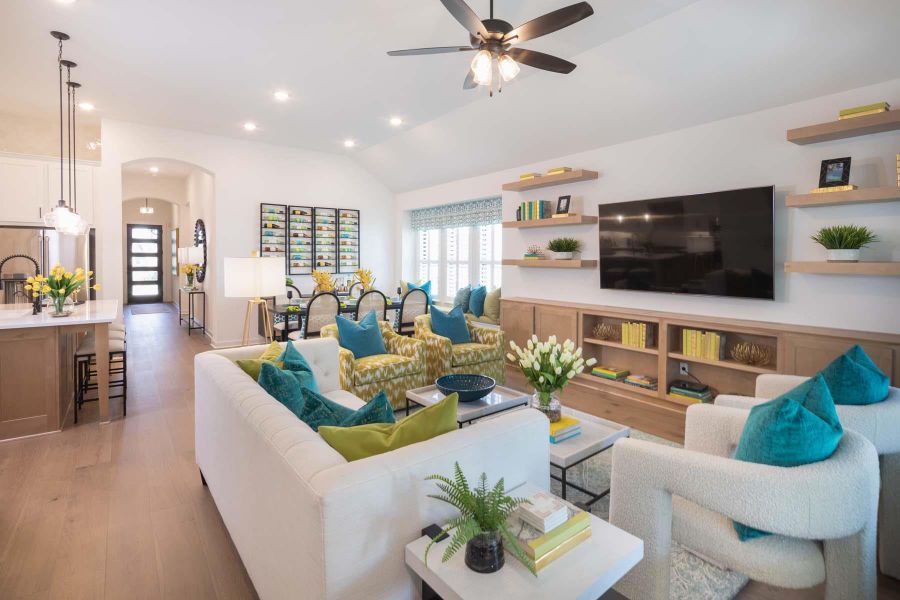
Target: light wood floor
119 512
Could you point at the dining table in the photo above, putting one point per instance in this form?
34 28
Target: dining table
294 312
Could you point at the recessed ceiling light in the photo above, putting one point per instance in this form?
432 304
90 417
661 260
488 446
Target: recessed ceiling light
349 143
281 95
154 169
86 106
396 121
249 126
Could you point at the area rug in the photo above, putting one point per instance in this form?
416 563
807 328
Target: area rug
692 578
149 310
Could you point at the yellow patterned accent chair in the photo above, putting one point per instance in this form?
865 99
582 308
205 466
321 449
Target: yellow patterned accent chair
483 355
401 369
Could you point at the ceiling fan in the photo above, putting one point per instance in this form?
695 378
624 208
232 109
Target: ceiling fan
496 40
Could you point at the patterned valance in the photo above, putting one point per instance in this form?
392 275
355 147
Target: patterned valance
486 211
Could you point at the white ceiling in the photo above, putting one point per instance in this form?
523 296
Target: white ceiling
644 66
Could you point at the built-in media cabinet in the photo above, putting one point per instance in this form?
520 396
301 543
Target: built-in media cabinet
660 350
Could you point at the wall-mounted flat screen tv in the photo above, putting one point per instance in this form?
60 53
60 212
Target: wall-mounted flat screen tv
716 244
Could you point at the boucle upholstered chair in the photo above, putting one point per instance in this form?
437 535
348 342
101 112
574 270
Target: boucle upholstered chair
880 424
822 514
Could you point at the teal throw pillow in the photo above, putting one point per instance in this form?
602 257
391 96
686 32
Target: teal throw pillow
362 339
797 428
450 324
853 378
476 300
425 287
293 361
462 298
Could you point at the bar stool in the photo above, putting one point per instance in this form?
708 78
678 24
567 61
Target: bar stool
85 367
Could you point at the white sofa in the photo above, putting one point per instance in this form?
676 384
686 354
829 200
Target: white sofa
308 524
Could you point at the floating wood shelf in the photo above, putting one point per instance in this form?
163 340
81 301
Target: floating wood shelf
543 181
846 128
611 344
573 263
844 268
725 364
864 195
573 220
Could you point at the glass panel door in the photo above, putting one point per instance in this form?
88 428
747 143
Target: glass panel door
145 282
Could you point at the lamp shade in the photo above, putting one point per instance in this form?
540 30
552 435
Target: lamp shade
182 256
195 255
254 277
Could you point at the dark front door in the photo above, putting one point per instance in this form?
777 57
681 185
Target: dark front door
145 283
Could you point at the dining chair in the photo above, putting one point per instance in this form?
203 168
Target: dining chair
371 300
352 287
321 310
413 304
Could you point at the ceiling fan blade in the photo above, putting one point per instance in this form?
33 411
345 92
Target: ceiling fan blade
469 83
436 50
539 60
467 17
552 21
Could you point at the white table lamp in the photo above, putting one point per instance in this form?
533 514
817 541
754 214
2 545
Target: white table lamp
195 255
253 278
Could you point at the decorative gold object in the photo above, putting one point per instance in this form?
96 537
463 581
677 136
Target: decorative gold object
324 281
609 333
751 354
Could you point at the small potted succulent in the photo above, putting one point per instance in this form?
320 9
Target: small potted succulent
564 248
843 242
481 524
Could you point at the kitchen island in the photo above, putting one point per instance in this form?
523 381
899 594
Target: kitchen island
37 372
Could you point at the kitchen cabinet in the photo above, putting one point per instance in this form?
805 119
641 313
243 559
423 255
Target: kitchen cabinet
23 190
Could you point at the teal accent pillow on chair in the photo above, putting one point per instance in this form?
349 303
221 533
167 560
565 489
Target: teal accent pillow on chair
462 298
362 339
476 300
293 361
853 378
797 428
425 287
451 324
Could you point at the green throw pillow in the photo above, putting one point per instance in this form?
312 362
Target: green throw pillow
854 378
492 306
797 428
251 366
462 298
363 441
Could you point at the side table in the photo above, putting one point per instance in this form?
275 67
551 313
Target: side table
191 319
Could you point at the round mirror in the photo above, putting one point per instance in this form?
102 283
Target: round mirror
200 240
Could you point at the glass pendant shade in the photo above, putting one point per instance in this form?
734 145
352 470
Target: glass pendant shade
482 67
64 220
146 209
508 67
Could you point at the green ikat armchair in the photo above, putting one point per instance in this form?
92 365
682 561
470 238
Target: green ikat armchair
401 369
482 356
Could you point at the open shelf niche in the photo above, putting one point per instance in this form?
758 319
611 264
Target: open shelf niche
613 353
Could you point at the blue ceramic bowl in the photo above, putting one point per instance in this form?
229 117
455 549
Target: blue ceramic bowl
469 387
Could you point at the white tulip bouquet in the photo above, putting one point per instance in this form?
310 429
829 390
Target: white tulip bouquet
549 365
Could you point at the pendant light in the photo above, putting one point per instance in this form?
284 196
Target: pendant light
63 217
146 209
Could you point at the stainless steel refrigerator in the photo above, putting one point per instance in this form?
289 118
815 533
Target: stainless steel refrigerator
25 250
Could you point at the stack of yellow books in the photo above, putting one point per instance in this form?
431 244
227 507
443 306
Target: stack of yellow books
862 111
527 176
637 335
835 188
558 170
567 427
703 344
544 548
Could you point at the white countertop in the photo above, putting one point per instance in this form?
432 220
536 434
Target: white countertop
18 316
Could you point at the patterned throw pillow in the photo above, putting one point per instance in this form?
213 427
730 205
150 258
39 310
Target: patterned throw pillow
251 366
292 360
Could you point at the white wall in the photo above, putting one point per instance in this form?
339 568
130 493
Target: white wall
744 151
164 215
244 174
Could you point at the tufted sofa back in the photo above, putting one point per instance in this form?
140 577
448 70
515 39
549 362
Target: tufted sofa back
321 354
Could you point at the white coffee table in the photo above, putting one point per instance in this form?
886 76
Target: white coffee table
499 400
586 572
596 436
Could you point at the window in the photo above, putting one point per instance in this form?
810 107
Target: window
459 245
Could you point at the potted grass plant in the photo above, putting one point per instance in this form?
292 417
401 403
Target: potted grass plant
843 242
482 522
564 248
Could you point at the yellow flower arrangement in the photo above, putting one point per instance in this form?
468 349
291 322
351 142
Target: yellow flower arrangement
324 281
188 269
364 278
61 284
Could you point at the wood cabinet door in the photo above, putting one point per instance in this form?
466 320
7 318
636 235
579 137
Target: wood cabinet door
29 394
556 320
807 355
517 321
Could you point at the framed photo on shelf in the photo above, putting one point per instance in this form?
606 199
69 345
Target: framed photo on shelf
834 172
563 205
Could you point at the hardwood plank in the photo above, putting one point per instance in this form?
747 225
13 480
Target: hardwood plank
183 572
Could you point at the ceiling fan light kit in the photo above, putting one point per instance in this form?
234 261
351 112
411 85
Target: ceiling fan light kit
494 41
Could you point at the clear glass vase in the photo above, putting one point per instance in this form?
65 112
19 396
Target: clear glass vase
547 403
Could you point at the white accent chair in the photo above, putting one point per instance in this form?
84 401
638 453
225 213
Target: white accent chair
880 424
822 514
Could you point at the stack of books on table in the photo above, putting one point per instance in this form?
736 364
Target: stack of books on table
862 111
614 373
564 429
643 381
688 390
703 344
548 527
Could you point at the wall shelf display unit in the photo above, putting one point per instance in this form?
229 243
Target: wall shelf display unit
348 240
573 263
844 268
272 230
845 128
300 240
860 196
325 240
570 220
543 181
